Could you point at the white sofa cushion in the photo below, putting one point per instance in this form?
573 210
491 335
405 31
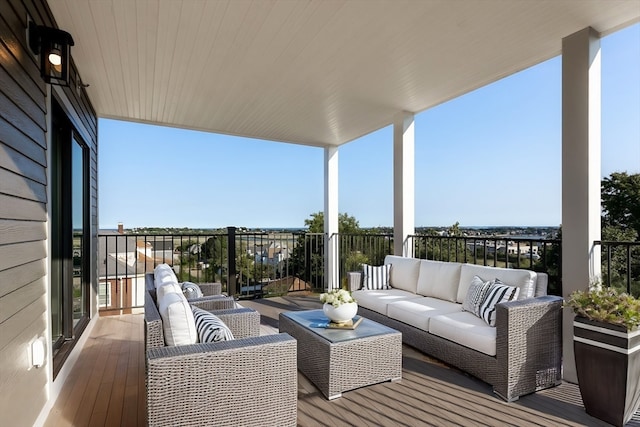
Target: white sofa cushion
465 329
163 274
404 272
177 319
379 299
376 277
439 279
417 311
523 279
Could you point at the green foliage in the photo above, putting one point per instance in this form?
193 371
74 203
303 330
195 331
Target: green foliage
346 224
354 261
621 201
607 305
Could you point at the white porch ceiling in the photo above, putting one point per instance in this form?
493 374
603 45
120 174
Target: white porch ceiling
316 72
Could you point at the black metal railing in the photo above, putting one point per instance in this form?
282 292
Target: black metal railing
542 255
621 265
275 263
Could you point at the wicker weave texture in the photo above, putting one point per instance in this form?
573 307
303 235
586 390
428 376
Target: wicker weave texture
245 382
338 367
213 302
209 289
528 346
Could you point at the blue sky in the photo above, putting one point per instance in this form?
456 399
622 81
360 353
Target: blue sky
491 157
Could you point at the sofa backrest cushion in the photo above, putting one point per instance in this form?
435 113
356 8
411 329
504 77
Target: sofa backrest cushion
163 274
439 279
523 279
404 272
178 324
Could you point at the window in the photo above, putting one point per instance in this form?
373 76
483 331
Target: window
69 235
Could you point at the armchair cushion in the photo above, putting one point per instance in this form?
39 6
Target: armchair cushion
209 326
163 274
178 324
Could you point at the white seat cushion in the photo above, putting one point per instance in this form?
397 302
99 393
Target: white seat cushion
168 288
466 329
178 323
439 279
404 272
523 279
417 311
163 274
377 300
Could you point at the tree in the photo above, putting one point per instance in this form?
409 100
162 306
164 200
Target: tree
621 201
346 224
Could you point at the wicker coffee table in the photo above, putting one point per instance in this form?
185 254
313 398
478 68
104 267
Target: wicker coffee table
337 360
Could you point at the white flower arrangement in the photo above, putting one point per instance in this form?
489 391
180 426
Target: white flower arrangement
337 297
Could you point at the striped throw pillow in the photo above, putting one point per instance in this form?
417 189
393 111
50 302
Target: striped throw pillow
476 295
376 277
209 326
498 292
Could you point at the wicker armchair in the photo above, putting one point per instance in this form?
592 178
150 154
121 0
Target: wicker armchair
250 381
213 298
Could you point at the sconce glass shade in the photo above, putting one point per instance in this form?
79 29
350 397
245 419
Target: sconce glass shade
55 57
54 47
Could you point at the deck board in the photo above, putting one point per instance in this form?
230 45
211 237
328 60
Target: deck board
106 388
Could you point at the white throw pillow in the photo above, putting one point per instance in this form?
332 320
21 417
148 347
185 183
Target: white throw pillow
191 290
498 292
163 274
476 295
376 278
177 320
209 326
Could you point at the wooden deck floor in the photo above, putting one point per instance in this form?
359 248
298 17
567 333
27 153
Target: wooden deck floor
107 388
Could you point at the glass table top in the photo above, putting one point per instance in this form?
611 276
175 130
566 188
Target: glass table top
316 321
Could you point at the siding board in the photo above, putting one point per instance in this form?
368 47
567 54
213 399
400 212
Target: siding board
15 161
15 277
14 325
14 36
10 88
12 137
15 208
21 253
20 119
21 297
12 183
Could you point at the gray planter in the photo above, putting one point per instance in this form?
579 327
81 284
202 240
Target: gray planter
608 368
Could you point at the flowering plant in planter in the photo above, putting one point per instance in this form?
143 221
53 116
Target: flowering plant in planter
337 297
607 305
606 347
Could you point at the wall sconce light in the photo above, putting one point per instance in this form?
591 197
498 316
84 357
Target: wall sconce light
54 48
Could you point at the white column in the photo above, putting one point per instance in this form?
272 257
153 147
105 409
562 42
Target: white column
331 267
581 173
403 183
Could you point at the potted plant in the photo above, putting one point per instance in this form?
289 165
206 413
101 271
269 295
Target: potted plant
606 342
339 305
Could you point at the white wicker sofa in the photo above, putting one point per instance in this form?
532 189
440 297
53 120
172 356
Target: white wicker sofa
518 356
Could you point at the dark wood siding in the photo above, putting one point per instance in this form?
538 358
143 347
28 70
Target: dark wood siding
24 298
